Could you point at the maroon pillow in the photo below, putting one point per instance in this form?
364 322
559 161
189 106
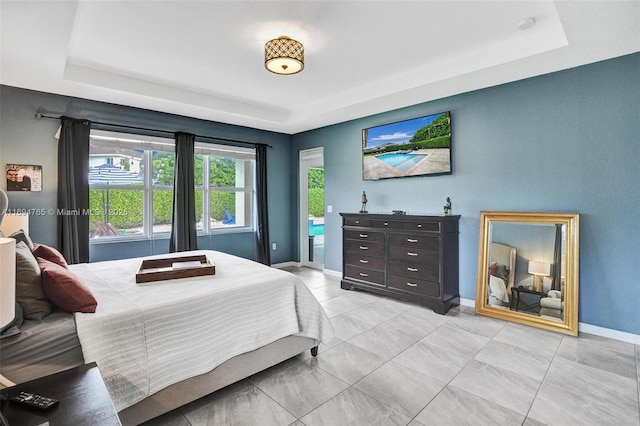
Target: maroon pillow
65 289
50 254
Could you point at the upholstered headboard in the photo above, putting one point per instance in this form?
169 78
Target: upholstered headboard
504 255
4 203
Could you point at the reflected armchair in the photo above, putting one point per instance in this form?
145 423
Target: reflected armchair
552 305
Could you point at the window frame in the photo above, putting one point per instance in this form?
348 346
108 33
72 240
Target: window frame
149 144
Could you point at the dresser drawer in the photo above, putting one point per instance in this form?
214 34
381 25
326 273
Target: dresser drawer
364 274
422 226
409 285
415 270
414 255
374 237
355 259
391 224
350 221
412 240
364 248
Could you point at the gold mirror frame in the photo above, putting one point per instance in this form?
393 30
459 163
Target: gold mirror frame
569 323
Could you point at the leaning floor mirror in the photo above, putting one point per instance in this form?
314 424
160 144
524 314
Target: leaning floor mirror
528 269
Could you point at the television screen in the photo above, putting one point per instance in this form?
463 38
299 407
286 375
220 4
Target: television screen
417 147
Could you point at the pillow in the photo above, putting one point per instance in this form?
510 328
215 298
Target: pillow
49 253
65 289
29 292
500 271
24 237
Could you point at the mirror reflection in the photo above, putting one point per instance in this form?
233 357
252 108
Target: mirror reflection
528 269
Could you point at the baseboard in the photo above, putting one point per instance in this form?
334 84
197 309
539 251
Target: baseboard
586 328
610 333
286 265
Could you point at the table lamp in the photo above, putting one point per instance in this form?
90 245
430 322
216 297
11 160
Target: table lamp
539 270
13 222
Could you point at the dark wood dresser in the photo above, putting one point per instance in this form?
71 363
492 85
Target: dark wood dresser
414 258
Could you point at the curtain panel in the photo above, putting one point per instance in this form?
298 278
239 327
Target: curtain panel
73 189
183 222
262 228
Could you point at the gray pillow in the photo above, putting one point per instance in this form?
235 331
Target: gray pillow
24 237
29 292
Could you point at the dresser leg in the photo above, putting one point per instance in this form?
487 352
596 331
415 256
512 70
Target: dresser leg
314 351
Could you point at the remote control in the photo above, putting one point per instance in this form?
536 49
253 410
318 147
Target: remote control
34 401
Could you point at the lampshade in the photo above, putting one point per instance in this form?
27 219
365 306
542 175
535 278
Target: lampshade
13 222
284 55
539 268
7 280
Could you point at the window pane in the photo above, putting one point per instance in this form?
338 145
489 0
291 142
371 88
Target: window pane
199 211
115 213
222 172
198 170
230 209
163 165
162 209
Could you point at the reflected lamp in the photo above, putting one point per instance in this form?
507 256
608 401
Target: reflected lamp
539 270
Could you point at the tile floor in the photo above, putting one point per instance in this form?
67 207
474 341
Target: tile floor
394 363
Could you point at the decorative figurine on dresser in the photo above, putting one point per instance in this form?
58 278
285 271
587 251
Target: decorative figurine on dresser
410 257
447 207
363 209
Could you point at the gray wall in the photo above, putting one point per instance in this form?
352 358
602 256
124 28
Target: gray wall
568 141
27 140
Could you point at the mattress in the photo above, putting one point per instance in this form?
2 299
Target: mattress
43 347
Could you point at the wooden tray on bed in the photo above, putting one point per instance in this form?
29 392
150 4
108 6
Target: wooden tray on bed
171 268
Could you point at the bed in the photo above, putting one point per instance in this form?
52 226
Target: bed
162 344
502 267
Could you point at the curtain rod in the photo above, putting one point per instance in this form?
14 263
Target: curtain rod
40 115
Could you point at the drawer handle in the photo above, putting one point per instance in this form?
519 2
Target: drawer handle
419 226
364 236
362 274
364 261
364 248
412 269
410 253
411 240
386 224
412 285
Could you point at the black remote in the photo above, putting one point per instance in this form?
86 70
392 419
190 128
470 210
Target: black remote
34 401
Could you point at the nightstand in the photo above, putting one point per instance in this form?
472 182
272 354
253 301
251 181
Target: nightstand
520 305
84 400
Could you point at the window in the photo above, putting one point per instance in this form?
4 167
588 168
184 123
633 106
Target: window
131 187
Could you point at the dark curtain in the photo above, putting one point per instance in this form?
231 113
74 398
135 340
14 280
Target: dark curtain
183 222
557 259
73 189
262 234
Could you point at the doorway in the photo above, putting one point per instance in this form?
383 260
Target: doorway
312 208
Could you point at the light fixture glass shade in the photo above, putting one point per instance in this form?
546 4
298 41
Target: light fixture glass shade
284 55
7 280
13 222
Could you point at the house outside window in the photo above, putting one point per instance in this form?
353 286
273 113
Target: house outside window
131 187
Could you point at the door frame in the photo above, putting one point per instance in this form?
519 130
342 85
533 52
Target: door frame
308 158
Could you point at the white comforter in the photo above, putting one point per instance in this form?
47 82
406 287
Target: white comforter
145 337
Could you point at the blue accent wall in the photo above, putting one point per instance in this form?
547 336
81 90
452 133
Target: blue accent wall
27 140
567 141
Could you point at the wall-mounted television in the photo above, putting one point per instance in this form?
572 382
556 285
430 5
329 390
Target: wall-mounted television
416 147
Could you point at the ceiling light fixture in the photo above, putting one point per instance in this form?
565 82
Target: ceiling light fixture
284 55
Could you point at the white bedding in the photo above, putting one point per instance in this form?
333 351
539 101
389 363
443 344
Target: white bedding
145 337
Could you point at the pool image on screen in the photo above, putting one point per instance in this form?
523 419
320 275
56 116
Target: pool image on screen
416 147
